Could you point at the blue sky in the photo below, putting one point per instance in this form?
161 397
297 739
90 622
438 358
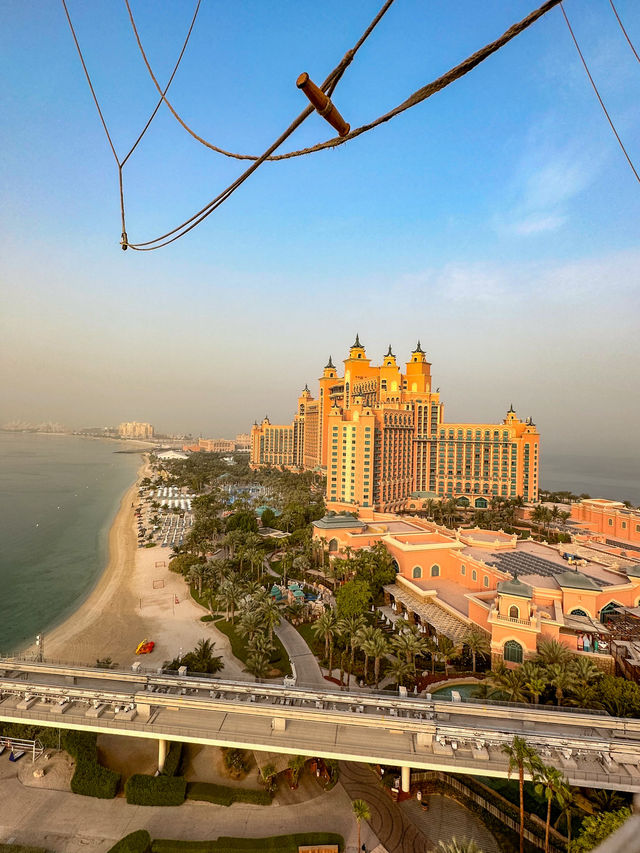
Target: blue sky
497 221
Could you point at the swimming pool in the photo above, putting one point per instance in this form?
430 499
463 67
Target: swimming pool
465 690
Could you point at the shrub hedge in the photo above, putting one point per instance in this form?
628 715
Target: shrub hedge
224 844
89 778
136 842
144 790
173 759
18 848
221 795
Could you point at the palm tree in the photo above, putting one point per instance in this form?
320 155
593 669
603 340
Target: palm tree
567 804
326 628
477 642
552 784
362 639
376 647
431 646
197 574
349 627
513 685
296 766
535 680
552 651
562 678
269 775
271 616
249 623
205 657
361 812
585 670
455 846
524 758
447 650
400 670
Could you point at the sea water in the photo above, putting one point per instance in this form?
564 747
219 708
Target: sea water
59 495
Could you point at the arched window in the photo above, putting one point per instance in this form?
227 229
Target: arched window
578 612
608 609
417 572
474 575
395 565
333 545
513 652
610 522
514 612
435 571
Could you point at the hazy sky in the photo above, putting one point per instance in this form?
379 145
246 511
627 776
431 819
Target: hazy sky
498 222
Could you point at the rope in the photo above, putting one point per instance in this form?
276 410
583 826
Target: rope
626 35
330 87
166 88
595 89
417 97
124 241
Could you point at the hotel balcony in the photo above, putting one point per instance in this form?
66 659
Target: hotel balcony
495 617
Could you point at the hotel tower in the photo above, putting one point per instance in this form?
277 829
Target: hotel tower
380 437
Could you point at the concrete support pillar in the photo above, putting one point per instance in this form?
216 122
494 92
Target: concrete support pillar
163 749
405 779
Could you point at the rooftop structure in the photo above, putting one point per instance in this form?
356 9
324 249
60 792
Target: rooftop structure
135 429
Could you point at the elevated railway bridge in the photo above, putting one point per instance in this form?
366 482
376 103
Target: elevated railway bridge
591 748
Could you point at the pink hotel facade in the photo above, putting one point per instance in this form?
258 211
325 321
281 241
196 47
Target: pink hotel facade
519 592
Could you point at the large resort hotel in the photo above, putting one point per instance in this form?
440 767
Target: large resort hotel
518 591
380 437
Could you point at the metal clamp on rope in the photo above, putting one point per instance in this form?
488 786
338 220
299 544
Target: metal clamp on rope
323 104
124 241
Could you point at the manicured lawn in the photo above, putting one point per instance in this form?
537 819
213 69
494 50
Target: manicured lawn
223 796
306 632
279 658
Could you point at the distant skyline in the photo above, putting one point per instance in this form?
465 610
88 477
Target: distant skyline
497 222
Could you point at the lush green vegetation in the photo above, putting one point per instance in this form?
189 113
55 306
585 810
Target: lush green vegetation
144 790
277 659
89 778
200 660
557 676
136 842
596 828
222 795
225 844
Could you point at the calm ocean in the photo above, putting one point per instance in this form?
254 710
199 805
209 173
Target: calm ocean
58 497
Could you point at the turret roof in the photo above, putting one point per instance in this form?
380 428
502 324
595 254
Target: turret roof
576 580
515 587
389 353
357 344
419 348
330 364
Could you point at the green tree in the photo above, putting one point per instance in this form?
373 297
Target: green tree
352 598
596 828
361 812
296 766
377 648
243 520
524 758
271 615
568 807
552 785
349 627
561 678
551 651
400 671
477 641
326 628
447 650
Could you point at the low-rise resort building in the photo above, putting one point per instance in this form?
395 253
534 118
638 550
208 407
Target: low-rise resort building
585 595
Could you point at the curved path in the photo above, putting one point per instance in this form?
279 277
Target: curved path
308 672
388 821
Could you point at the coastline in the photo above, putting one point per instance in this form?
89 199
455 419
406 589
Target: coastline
77 638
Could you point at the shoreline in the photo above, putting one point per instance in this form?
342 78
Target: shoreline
66 640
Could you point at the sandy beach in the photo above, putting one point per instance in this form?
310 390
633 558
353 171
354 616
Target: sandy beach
136 598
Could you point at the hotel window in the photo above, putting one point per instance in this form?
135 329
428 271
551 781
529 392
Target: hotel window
485 581
435 571
463 569
514 612
417 572
610 522
474 575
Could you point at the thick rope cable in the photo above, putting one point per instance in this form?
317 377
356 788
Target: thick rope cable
166 88
626 34
330 87
595 89
417 97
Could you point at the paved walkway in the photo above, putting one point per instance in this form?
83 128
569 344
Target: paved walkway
393 827
308 671
67 823
446 819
